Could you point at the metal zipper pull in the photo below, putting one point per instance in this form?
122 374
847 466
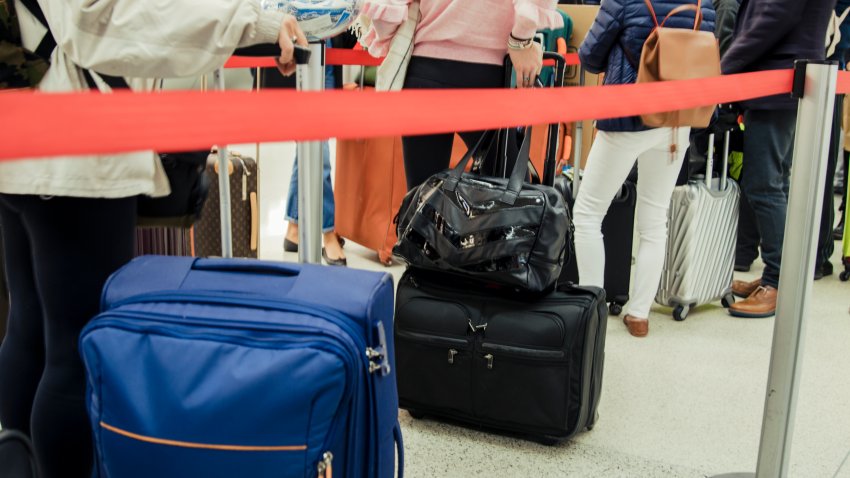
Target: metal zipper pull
489 358
378 361
325 467
452 353
475 328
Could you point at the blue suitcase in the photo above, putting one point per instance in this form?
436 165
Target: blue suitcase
224 368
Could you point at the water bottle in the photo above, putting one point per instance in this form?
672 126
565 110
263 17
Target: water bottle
319 19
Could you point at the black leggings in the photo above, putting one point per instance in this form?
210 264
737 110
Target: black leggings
59 252
427 155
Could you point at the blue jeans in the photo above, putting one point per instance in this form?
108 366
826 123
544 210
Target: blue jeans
768 149
327 192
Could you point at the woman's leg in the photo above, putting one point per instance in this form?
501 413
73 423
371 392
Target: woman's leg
76 244
327 192
292 195
427 155
657 175
22 351
611 158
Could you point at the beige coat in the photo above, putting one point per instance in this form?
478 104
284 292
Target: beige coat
131 38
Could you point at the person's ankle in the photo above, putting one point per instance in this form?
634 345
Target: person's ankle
332 245
292 232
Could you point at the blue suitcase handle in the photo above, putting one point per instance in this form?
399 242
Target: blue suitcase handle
246 265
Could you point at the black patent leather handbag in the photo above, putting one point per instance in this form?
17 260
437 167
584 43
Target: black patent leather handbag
494 229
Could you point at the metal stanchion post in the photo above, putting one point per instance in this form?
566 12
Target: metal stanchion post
224 183
310 77
816 91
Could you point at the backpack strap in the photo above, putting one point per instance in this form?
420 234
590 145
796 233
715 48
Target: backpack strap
652 12
681 8
114 82
48 43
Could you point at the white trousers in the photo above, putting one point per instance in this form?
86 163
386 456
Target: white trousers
611 158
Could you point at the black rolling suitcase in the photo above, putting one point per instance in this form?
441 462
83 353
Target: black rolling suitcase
488 356
618 229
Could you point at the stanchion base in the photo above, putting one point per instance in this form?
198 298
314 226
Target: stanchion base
735 475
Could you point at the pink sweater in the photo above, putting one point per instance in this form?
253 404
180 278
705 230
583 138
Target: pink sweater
473 31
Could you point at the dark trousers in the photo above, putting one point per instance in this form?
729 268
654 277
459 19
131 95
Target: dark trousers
768 150
826 244
4 293
748 235
846 158
59 253
427 155
747 245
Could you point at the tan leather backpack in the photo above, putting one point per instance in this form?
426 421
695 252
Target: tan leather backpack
679 54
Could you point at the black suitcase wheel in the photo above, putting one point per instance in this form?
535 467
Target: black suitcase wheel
416 414
593 423
727 300
680 313
547 440
615 308
844 276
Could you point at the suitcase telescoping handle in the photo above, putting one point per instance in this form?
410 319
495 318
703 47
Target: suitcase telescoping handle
709 162
579 135
560 65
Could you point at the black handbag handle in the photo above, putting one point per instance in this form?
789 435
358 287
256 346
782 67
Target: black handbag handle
489 137
517 177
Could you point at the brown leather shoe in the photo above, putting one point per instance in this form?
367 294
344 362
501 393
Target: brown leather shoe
637 327
761 303
745 289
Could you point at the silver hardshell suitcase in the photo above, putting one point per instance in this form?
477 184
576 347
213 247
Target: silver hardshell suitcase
702 230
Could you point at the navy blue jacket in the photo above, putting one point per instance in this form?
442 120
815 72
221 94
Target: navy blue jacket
771 34
625 24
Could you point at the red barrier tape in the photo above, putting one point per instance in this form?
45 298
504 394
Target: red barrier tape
93 123
843 84
343 56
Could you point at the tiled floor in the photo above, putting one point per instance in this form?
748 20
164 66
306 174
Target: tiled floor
686 401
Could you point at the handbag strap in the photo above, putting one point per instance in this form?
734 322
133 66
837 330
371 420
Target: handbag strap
681 8
518 174
455 173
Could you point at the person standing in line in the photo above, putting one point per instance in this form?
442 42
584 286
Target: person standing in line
612 46
769 35
459 44
68 223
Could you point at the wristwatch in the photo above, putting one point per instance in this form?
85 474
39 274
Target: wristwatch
515 43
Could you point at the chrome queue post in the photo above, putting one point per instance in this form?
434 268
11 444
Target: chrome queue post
814 85
310 76
224 184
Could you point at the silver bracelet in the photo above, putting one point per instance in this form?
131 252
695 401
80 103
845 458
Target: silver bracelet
515 44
